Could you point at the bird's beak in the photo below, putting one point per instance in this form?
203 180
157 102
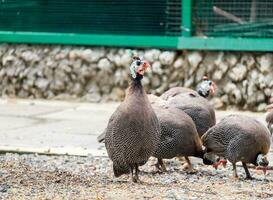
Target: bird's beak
146 64
221 161
143 67
213 88
263 168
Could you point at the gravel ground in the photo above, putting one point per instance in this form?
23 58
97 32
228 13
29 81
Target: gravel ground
32 176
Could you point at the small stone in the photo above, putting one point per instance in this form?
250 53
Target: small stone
266 63
231 59
30 56
194 58
157 68
201 71
77 89
260 97
234 93
156 81
89 55
7 59
152 55
217 75
10 71
248 60
167 57
238 72
217 103
261 107
125 60
145 81
220 58
104 64
73 54
117 61
178 63
4 188
268 92
223 67
23 94
92 97
117 94
189 82
42 83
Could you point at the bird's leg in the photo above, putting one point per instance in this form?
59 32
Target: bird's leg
248 176
162 165
136 174
235 175
188 166
132 173
157 165
180 158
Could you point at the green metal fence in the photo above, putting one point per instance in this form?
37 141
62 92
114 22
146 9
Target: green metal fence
245 18
176 24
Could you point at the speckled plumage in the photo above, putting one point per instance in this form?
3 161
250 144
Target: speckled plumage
178 136
238 138
132 134
269 120
197 107
172 92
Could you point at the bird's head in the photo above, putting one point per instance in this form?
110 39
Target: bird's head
261 162
206 87
209 159
138 67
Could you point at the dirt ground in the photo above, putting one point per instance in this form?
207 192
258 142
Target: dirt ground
31 176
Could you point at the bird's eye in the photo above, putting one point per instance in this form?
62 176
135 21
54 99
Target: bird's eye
138 62
210 82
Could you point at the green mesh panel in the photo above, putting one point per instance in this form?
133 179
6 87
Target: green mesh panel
138 17
232 18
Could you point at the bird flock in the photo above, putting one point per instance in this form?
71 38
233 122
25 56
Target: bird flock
180 123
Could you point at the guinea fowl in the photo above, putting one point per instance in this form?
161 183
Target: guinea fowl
269 118
194 103
132 134
178 136
239 138
191 102
203 89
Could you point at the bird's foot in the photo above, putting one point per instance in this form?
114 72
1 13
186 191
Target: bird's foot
135 179
249 178
181 158
235 178
163 168
160 167
189 169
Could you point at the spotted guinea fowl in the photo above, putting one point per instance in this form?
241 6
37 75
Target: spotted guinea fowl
204 89
132 134
269 118
194 103
239 138
178 137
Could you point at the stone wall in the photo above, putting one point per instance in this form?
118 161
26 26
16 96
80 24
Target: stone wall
244 79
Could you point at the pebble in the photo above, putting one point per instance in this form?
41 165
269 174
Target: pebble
37 176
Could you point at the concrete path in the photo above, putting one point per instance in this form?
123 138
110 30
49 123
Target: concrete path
58 127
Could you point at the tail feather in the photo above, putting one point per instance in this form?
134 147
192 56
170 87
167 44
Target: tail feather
120 169
101 137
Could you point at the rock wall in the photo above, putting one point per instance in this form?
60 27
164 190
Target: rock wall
244 79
